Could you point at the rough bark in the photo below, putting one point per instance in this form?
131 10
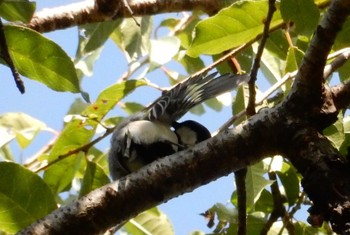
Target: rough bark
293 129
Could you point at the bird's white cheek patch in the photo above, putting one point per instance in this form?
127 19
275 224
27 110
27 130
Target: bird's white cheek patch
187 136
147 132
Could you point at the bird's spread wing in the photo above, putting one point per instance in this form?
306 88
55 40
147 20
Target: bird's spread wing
173 104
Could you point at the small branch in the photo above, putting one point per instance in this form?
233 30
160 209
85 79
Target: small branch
342 56
240 177
83 148
254 71
5 55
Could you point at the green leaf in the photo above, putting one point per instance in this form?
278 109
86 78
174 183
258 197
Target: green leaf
344 71
163 50
17 10
304 13
5 152
277 44
224 213
191 65
152 221
132 107
335 132
80 131
77 106
24 197
91 40
271 66
255 184
40 59
185 35
94 178
93 36
255 222
20 126
240 102
231 28
134 39
294 58
265 202
342 40
290 181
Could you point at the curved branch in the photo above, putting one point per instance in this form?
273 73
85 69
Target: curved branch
90 11
158 182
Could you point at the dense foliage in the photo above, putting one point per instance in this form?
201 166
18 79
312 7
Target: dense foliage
191 40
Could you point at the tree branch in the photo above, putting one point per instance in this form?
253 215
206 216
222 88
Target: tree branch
158 182
290 129
90 11
311 69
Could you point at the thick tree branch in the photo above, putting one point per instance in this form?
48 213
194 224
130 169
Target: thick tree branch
290 129
325 178
160 181
90 11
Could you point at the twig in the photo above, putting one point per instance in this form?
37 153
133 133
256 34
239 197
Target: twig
275 87
254 71
4 53
83 148
341 57
240 175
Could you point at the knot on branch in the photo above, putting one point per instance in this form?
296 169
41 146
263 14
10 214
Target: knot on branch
108 8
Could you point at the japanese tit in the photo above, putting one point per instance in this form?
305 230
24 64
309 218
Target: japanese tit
147 135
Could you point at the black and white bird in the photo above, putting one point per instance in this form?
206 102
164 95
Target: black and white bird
147 135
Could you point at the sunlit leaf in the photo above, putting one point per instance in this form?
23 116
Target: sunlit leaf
335 132
5 152
231 28
265 202
20 126
152 221
40 59
290 181
271 66
94 178
294 58
24 197
255 223
191 65
277 44
134 39
255 183
163 50
240 102
132 107
93 36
